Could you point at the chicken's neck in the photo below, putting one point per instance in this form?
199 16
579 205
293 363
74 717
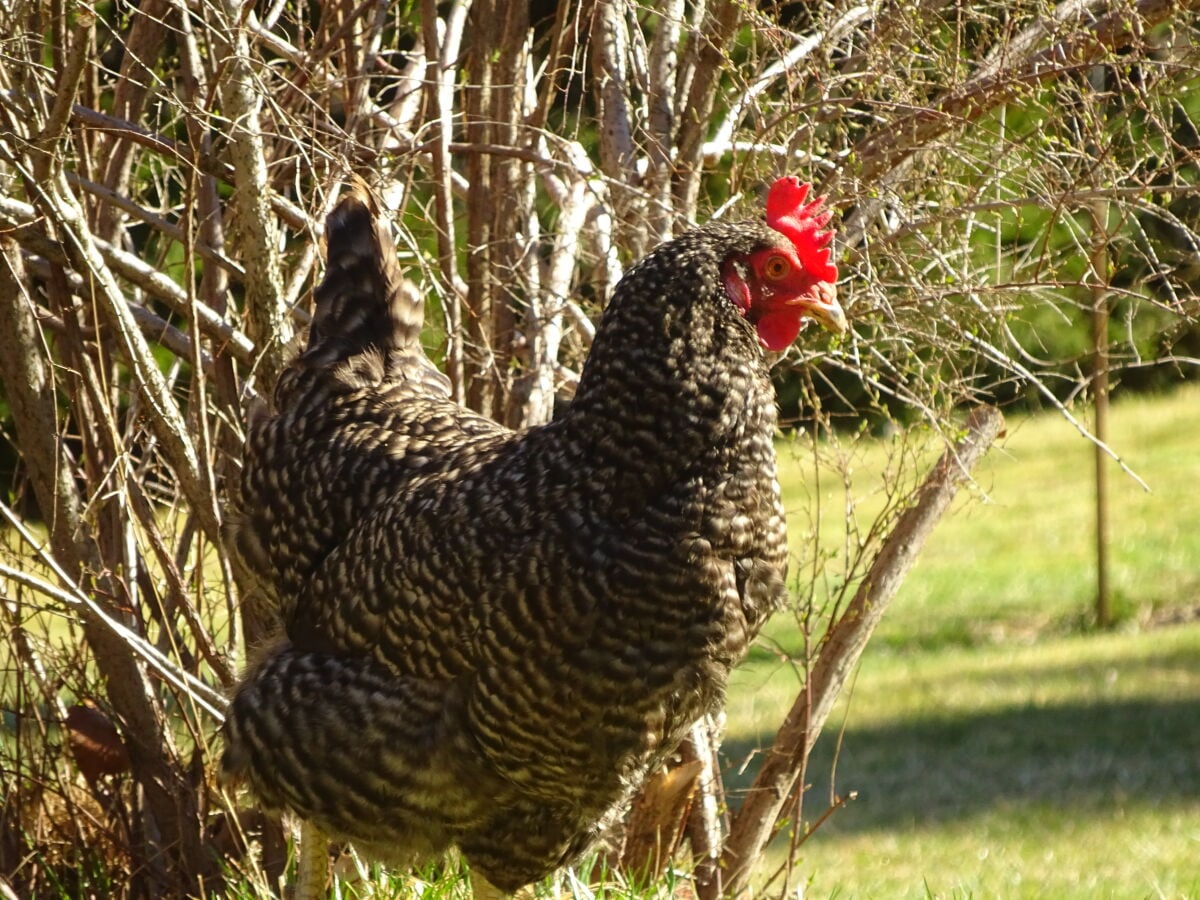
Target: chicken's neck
668 389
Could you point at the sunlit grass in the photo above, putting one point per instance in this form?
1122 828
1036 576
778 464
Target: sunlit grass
1021 560
998 746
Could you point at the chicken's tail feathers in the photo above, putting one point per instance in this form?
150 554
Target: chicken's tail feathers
364 300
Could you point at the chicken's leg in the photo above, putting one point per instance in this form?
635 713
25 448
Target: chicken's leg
312 863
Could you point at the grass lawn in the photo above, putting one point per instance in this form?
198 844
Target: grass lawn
998 747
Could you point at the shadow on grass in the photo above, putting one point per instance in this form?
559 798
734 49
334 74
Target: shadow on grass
944 766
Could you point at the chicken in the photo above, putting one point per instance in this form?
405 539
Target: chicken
490 638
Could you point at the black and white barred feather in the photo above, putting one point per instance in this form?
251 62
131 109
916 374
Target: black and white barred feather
488 639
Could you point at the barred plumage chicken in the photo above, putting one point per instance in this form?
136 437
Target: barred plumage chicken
490 638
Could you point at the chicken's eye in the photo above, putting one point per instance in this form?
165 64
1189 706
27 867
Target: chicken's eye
777 267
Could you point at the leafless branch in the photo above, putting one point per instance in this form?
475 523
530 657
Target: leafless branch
440 51
257 238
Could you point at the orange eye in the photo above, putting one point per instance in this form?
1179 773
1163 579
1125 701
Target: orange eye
777 267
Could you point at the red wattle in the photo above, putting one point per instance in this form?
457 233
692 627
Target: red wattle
778 328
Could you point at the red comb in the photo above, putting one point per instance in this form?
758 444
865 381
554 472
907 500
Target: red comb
802 224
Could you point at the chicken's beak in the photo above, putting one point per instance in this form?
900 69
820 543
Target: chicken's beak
824 308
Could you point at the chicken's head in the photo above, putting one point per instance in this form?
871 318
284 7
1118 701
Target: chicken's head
777 288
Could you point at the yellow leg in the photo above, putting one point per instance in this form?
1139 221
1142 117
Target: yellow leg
482 889
312 863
